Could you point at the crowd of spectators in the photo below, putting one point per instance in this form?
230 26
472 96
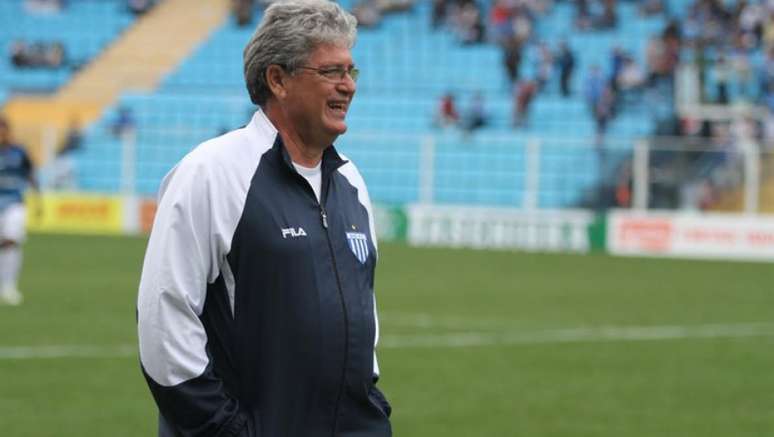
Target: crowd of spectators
369 13
52 54
731 43
472 117
731 46
139 7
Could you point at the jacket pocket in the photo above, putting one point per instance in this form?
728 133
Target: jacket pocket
377 398
248 427
251 428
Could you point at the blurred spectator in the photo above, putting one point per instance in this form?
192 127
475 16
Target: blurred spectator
475 116
630 77
390 6
243 11
616 63
566 61
367 13
447 111
439 13
512 59
603 112
600 99
594 84
74 138
606 16
744 129
766 74
663 54
139 7
64 167
608 19
623 187
722 73
545 65
654 56
124 123
768 30
43 6
651 7
500 22
467 22
768 124
708 194
538 7
524 94
522 25
751 18
582 14
741 66
37 55
18 54
370 12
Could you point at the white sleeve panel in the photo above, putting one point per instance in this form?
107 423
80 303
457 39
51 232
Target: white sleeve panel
178 263
200 204
353 176
376 338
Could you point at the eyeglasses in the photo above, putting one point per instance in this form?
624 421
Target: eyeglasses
336 73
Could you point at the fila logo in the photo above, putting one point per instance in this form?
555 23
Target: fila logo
293 232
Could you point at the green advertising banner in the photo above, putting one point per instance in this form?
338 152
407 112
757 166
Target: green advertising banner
391 222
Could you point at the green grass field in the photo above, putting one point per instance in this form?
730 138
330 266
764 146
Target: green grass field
474 344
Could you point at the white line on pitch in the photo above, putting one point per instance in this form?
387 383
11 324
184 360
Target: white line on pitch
455 340
580 335
66 351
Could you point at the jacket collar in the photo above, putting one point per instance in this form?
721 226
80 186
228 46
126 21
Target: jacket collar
331 160
260 127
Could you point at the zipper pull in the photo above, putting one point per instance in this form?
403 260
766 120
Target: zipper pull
324 217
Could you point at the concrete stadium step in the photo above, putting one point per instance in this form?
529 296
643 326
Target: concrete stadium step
137 61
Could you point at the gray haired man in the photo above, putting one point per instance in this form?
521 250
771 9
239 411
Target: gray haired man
256 308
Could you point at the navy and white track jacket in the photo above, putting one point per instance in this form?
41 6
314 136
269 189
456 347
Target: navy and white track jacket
256 310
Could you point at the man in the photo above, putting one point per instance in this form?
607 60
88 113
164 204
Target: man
256 312
16 173
566 67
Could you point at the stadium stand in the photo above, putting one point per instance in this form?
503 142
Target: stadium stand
136 61
406 67
407 64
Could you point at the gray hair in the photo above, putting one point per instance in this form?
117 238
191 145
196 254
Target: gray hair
288 33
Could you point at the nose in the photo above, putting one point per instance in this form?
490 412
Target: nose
347 85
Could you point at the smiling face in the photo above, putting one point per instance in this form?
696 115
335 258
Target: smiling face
316 105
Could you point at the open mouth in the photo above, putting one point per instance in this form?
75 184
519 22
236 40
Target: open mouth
339 107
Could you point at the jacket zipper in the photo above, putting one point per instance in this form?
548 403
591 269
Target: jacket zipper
324 217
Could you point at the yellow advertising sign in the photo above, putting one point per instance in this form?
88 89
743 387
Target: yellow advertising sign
76 213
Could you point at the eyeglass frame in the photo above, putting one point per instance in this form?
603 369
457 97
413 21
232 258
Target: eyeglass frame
351 71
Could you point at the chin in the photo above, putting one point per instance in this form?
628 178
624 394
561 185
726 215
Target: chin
337 129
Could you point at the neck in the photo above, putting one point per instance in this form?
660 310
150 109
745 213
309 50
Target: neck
302 150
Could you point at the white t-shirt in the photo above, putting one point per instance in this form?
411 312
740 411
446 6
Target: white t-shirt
313 176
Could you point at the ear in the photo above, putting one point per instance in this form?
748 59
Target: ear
277 79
